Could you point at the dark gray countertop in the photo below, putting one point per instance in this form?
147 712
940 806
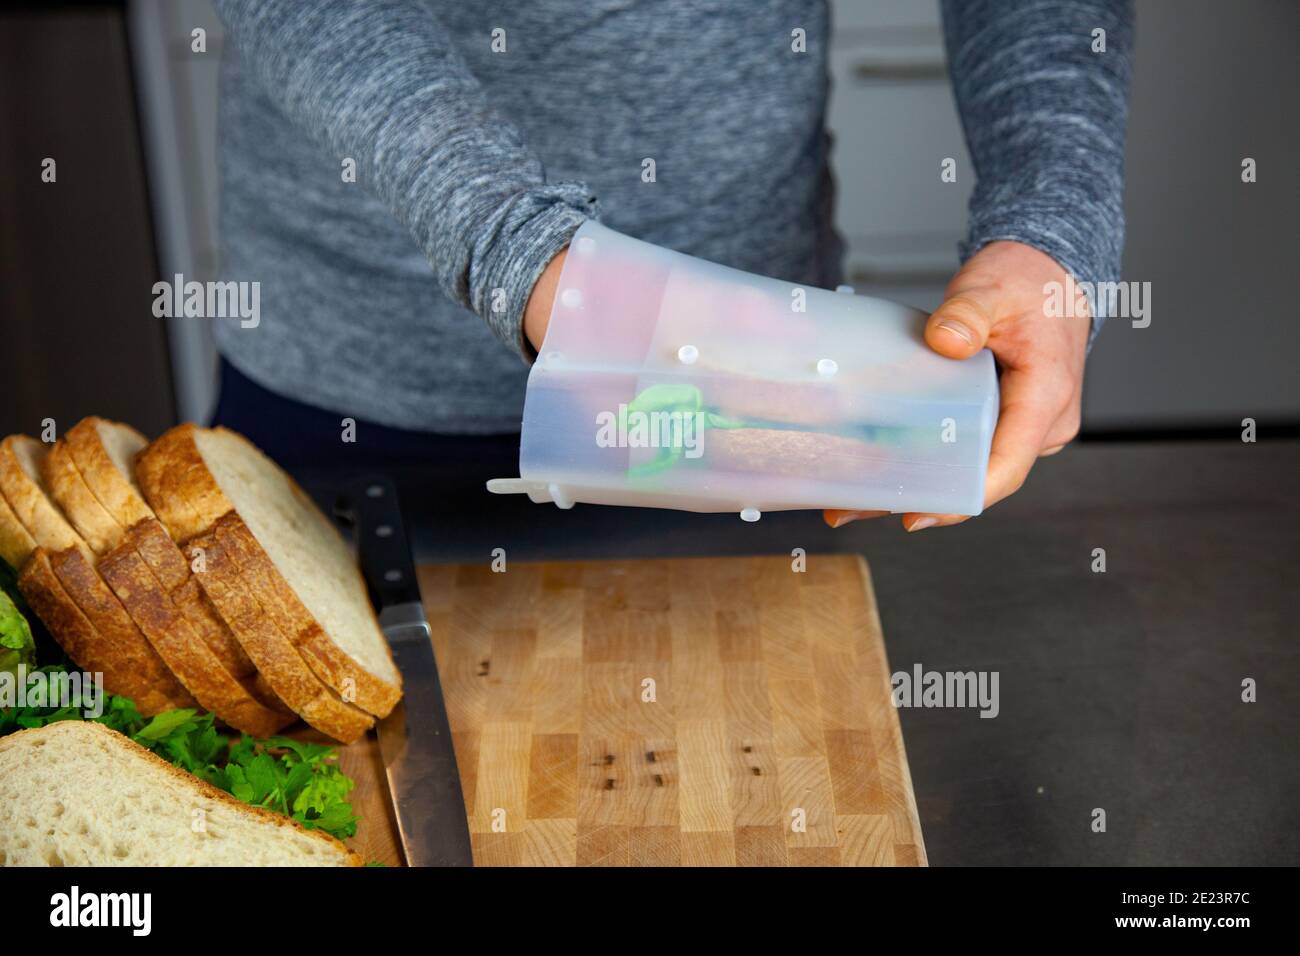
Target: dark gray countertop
1119 690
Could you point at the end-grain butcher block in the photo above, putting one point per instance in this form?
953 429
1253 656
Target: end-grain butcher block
710 711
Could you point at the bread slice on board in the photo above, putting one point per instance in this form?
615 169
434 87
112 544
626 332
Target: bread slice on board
79 504
192 477
130 671
78 794
270 648
104 452
182 649
22 481
16 543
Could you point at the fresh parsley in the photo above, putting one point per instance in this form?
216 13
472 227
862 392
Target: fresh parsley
299 780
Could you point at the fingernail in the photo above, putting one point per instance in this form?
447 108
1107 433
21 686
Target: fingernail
922 523
845 517
956 328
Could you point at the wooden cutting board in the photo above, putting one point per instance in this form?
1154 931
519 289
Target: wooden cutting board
705 711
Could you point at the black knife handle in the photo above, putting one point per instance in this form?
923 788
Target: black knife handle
380 535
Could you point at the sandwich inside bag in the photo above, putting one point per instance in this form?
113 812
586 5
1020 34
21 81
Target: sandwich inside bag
666 381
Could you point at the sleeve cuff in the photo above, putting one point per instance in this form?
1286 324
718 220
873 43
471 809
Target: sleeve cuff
533 233
1071 243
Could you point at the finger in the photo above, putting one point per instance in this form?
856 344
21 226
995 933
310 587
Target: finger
1026 421
1030 407
961 325
838 518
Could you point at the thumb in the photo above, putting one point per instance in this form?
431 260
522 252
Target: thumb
960 327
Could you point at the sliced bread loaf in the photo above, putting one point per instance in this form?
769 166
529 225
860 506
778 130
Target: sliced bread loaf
151 578
182 648
79 794
104 453
193 476
271 648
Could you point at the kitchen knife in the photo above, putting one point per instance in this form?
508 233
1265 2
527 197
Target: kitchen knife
415 739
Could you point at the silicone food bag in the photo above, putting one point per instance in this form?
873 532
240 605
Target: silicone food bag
666 381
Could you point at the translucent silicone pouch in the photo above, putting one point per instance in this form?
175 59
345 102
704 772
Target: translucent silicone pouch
666 381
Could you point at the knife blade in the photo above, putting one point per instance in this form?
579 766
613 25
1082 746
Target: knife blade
415 740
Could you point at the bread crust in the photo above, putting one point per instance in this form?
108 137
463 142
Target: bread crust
29 501
271 649
89 648
16 542
117 630
177 484
180 778
105 480
170 566
181 648
81 507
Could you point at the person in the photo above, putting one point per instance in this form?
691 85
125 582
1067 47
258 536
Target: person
403 178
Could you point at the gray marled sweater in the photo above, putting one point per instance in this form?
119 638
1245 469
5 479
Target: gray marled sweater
475 161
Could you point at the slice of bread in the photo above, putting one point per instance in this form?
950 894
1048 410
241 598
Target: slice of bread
22 462
79 794
270 648
131 672
193 476
181 648
105 452
16 543
81 507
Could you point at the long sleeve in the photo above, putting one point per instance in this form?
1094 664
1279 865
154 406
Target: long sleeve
1045 118
381 82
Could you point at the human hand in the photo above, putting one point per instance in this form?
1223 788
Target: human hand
537 313
996 300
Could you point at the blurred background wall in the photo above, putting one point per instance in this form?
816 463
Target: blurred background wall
117 93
